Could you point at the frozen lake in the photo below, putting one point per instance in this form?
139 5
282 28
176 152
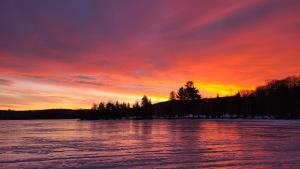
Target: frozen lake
149 144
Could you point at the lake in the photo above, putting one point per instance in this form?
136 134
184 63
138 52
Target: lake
186 143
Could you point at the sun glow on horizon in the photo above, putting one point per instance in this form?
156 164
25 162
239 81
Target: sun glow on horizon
214 89
43 95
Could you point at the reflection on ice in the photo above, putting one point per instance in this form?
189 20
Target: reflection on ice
149 144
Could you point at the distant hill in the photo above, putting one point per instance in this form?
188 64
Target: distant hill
41 114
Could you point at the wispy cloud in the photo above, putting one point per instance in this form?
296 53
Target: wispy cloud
5 82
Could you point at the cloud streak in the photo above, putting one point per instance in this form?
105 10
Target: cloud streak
136 47
5 82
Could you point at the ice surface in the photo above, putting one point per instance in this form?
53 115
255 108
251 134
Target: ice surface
149 144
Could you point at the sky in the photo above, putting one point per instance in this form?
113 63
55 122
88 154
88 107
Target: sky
73 53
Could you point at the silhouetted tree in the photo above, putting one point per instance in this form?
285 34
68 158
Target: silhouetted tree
136 105
188 92
101 107
128 105
117 105
181 94
146 101
110 106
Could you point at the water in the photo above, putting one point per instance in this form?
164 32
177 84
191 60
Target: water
149 144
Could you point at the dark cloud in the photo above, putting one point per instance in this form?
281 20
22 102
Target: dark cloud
69 80
89 82
85 77
5 82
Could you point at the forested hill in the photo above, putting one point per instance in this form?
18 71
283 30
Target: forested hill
222 107
277 99
212 108
229 107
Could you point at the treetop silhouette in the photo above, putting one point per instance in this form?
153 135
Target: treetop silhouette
146 101
188 92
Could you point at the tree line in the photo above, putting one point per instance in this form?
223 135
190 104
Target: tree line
276 99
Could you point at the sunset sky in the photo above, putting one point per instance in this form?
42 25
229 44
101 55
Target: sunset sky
73 53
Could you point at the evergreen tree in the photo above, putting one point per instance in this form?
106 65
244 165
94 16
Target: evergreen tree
136 105
101 107
188 92
146 101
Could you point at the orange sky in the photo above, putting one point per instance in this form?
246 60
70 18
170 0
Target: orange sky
70 54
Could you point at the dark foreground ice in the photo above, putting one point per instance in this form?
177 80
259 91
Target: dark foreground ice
149 144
